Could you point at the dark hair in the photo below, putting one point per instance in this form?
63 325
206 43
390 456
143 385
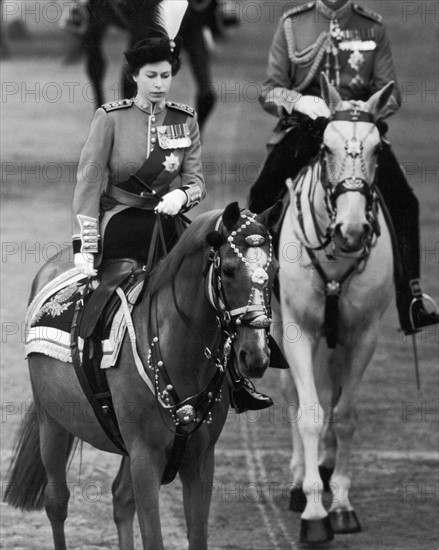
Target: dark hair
131 70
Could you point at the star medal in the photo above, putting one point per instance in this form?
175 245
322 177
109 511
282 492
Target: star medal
171 163
356 60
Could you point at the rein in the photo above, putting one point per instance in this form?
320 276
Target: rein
354 149
190 414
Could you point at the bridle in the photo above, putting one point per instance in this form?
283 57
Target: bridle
252 315
189 414
354 150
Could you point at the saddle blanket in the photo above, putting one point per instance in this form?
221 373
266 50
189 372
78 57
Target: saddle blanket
49 317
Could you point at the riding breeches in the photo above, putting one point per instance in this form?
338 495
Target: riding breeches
128 234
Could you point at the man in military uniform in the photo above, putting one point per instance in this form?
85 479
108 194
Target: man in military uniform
349 44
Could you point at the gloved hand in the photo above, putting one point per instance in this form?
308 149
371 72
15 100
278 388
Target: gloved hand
84 261
172 203
312 106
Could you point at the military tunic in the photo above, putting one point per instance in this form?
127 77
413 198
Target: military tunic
125 138
350 44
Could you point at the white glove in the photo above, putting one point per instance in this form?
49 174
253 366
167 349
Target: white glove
312 106
172 203
84 261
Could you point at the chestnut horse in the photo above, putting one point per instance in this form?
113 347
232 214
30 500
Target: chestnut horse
206 303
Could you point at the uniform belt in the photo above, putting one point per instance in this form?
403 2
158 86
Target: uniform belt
145 201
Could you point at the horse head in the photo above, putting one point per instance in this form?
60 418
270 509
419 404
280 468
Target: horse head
243 272
351 143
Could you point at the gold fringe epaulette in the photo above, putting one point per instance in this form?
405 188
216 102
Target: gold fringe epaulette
114 105
298 9
366 12
180 107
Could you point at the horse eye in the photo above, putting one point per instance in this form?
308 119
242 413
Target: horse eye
326 148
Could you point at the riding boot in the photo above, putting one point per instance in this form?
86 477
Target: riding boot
402 207
285 159
243 394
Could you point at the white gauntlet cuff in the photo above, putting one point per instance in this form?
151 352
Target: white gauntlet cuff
193 195
89 234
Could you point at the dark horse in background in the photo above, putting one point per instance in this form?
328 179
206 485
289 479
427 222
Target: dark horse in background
132 15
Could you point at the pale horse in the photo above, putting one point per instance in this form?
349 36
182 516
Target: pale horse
335 280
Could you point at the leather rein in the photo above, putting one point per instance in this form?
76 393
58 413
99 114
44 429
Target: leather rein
189 414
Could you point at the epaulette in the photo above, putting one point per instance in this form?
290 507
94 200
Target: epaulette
366 12
298 9
181 107
114 105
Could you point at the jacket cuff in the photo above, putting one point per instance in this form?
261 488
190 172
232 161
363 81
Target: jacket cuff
88 239
193 195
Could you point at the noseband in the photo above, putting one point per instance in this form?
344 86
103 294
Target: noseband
253 315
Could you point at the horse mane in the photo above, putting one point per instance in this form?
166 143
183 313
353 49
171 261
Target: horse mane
192 241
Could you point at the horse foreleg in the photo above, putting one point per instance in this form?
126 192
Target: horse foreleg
124 506
297 462
289 393
300 355
342 514
146 472
55 443
197 482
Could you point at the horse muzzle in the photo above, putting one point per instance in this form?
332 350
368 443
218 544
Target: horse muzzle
252 352
351 236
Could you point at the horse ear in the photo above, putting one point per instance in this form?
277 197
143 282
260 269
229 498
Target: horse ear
376 103
330 95
231 215
272 215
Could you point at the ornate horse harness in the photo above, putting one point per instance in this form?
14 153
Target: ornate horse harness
354 149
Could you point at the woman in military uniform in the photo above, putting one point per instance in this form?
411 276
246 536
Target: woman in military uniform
349 43
146 138
133 142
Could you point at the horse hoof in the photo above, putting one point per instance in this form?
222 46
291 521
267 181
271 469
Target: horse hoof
325 474
344 521
297 500
313 531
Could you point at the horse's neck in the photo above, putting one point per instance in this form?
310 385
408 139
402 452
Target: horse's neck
309 214
184 322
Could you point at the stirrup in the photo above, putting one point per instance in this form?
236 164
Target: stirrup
419 316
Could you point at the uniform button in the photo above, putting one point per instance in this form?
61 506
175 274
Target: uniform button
153 119
153 140
153 130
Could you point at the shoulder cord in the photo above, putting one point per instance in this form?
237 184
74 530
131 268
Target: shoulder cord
317 52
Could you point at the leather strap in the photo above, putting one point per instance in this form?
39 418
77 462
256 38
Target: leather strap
101 401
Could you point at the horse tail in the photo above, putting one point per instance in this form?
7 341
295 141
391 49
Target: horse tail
28 478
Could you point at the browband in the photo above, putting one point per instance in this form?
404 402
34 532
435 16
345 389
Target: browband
353 115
